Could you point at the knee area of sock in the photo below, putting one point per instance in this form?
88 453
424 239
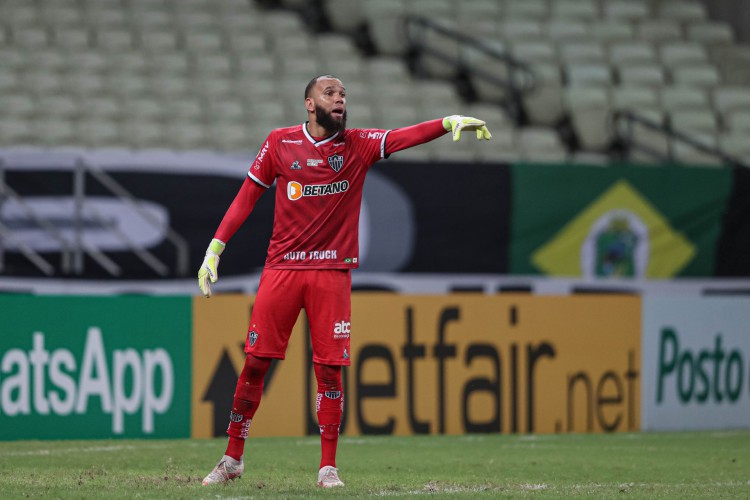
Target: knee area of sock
328 377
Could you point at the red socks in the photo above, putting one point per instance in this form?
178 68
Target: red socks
329 405
247 397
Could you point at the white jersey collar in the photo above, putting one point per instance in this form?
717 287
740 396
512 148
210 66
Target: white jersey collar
312 139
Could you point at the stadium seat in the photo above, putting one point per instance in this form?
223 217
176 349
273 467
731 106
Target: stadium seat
143 108
699 75
56 106
29 38
502 148
738 121
17 106
515 29
567 30
582 52
527 9
710 32
541 144
634 97
656 144
676 54
633 52
388 34
586 10
648 74
588 74
694 120
16 132
9 82
140 134
737 144
544 103
657 31
183 109
625 10
70 38
103 108
54 132
730 100
609 31
675 98
345 16
112 40
590 110
681 10
540 51
690 155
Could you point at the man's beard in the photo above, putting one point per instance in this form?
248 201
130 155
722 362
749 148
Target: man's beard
328 122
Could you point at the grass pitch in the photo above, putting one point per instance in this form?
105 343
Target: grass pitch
642 465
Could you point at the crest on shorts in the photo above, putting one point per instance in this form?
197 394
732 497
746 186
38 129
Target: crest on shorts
336 162
252 337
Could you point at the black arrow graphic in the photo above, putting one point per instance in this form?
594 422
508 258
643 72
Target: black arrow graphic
220 393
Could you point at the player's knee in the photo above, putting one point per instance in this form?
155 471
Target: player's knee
328 377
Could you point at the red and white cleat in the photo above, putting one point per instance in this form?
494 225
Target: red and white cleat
328 477
227 469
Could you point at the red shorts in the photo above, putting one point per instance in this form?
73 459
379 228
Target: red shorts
325 294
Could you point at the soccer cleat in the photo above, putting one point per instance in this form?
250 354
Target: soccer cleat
328 477
227 469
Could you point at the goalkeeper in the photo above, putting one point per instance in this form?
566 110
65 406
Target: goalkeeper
319 168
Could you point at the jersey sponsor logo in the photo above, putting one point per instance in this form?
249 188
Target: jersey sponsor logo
295 190
337 144
314 162
342 329
311 255
296 165
375 135
261 155
336 162
289 141
252 337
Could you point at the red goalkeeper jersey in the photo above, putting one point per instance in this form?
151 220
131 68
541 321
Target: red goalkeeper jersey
318 194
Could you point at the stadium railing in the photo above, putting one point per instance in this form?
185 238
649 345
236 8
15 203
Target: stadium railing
73 249
624 123
520 79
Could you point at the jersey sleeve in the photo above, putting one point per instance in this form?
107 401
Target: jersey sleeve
262 169
370 143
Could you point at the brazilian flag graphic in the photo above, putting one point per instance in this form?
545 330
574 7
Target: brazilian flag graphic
623 221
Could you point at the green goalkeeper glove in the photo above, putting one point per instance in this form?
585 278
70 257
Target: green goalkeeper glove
457 123
208 273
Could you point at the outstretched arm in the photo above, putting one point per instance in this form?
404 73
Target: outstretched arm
238 211
236 214
414 135
407 137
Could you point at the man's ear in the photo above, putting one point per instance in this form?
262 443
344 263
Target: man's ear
309 104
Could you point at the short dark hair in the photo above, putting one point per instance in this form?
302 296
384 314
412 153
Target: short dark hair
312 83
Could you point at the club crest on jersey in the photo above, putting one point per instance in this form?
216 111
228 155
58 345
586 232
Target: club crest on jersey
296 165
252 337
336 162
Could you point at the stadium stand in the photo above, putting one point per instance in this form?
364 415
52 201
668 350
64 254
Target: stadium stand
219 74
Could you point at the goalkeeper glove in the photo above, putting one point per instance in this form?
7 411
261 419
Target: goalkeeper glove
457 123
208 273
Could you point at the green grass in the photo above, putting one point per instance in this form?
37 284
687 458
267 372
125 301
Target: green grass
642 465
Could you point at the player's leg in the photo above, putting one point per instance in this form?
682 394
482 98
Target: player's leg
329 407
328 306
275 311
246 400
